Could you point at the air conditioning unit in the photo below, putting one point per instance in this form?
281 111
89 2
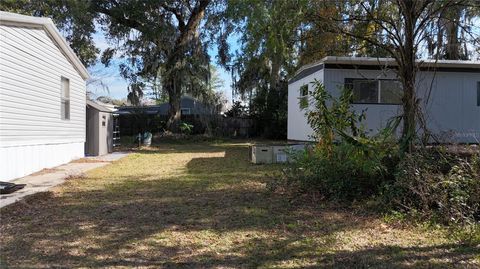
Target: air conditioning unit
261 154
274 154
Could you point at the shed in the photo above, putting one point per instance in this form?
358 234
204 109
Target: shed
42 97
448 92
99 137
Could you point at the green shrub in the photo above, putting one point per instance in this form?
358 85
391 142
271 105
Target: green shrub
435 185
186 128
346 164
344 173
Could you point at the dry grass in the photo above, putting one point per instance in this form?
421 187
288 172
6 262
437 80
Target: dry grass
87 160
45 171
204 206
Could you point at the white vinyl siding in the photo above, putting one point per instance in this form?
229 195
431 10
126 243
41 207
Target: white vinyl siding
298 127
31 72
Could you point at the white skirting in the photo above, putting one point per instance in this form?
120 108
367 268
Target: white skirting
19 161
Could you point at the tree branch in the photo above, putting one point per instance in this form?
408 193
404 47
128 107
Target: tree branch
178 15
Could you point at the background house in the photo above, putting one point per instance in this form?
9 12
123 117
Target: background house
42 97
449 93
188 106
138 119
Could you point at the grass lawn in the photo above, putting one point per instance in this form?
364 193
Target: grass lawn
203 205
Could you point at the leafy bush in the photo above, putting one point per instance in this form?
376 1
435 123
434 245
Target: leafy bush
186 128
436 185
345 164
333 118
345 172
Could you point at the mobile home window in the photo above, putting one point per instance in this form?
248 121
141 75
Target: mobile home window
367 91
65 98
304 90
390 92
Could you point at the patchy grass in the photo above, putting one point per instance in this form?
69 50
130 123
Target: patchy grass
205 206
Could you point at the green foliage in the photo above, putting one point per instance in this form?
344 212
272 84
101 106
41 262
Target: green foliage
237 110
436 185
186 128
345 172
74 18
269 108
269 47
345 164
333 117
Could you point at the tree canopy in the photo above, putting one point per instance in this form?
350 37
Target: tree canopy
162 47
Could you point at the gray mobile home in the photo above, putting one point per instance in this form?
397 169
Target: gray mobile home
449 93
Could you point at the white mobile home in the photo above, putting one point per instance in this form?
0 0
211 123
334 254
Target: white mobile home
449 93
42 97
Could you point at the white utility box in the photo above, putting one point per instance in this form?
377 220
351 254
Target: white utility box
261 154
280 154
274 153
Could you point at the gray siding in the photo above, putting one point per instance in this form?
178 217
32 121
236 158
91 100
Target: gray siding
448 99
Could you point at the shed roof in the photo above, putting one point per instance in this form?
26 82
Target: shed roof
340 62
7 18
98 106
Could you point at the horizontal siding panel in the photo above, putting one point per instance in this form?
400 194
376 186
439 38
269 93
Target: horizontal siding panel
28 130
15 135
40 75
30 72
37 64
18 97
48 54
19 124
37 121
29 118
23 108
48 88
12 86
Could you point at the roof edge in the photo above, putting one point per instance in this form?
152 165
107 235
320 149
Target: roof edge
387 62
8 18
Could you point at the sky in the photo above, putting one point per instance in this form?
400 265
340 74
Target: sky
116 87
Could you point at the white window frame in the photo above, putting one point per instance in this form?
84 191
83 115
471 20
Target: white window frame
65 98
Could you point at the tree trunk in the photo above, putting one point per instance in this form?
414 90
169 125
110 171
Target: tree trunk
452 50
407 72
174 112
174 62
